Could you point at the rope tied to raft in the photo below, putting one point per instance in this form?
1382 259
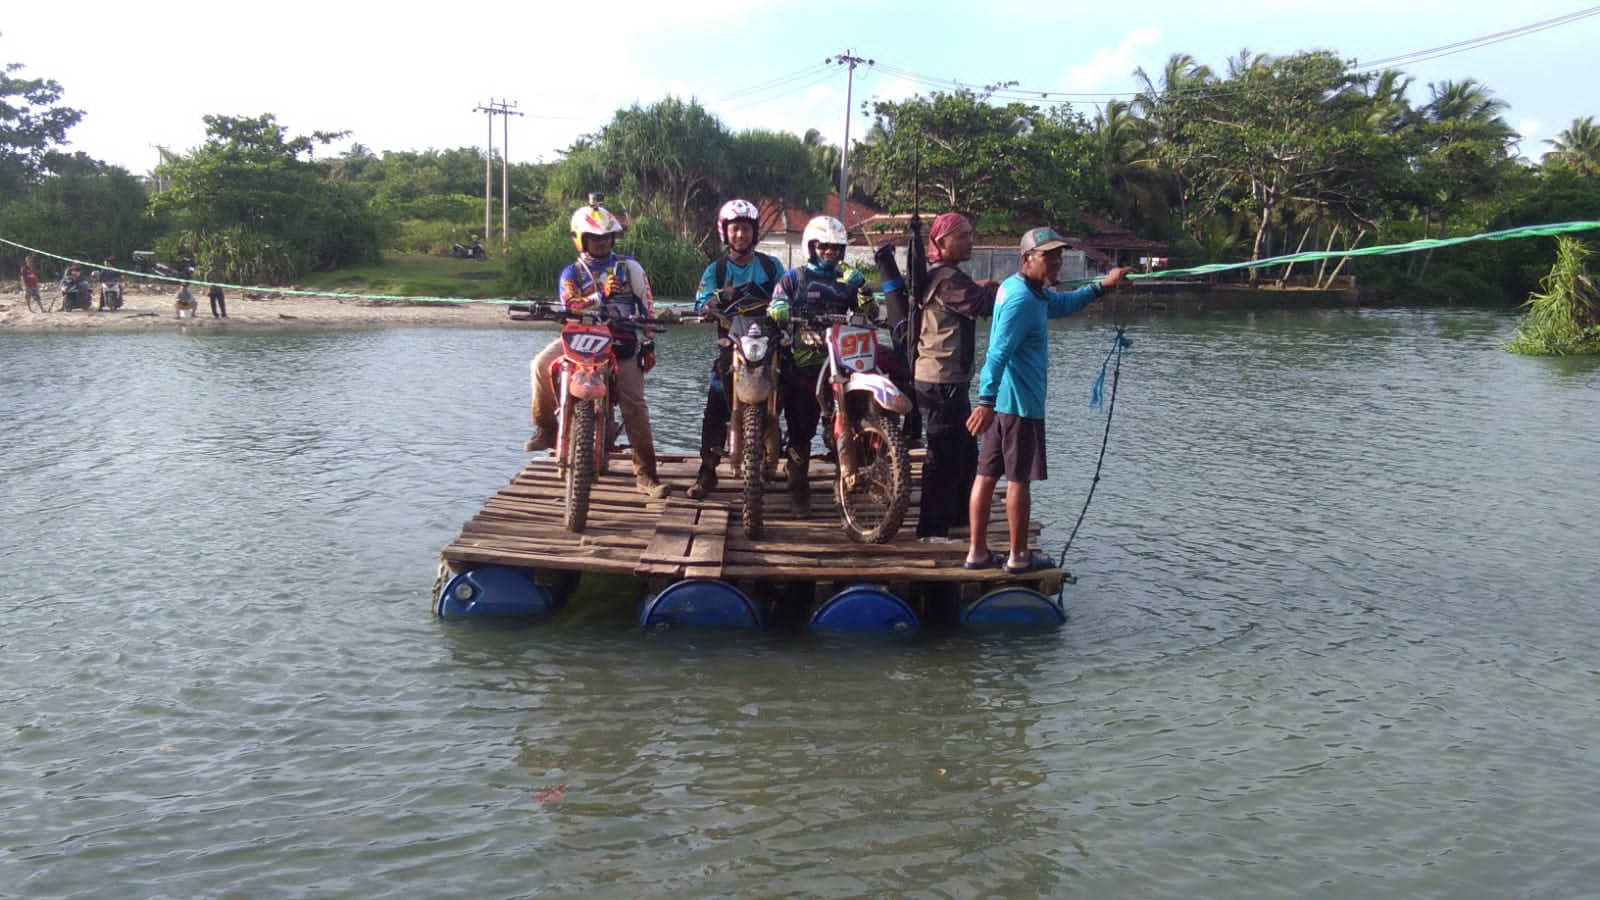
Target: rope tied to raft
1098 398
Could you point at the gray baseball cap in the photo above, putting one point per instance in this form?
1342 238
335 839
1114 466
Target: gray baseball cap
1042 239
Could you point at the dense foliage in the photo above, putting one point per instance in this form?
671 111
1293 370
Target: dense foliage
1563 317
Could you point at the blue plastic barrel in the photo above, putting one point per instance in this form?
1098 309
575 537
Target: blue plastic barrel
865 609
1013 607
700 603
495 591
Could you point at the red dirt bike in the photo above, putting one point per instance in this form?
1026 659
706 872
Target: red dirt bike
861 410
582 377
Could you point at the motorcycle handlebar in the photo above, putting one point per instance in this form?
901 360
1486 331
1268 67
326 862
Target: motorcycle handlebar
858 319
547 312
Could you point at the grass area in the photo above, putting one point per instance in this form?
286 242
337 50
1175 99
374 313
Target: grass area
414 275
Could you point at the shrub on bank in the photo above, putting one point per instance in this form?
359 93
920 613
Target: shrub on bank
671 262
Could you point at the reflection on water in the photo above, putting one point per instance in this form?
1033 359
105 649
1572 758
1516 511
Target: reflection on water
1330 636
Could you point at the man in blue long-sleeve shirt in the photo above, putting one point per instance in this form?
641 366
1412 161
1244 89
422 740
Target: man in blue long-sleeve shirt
1009 418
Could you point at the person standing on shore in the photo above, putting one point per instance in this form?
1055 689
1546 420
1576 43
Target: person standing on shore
1011 396
30 285
219 304
947 329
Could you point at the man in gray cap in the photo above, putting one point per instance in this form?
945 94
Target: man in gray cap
1009 419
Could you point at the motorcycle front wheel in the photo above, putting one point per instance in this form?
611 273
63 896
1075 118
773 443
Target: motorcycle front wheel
752 449
873 499
579 477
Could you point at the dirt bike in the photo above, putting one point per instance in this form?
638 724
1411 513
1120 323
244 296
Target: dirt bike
861 410
473 250
753 399
582 377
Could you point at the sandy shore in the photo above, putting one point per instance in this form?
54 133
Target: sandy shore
151 308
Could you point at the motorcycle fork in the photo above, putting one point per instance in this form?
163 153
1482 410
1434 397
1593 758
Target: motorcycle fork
833 398
565 401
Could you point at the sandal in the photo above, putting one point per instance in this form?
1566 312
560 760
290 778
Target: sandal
1036 561
993 562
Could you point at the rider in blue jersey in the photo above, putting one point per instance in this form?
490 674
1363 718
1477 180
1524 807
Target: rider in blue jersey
741 274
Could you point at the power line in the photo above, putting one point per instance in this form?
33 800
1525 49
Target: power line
1013 91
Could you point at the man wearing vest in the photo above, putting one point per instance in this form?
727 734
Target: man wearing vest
821 286
1011 392
741 273
947 328
617 284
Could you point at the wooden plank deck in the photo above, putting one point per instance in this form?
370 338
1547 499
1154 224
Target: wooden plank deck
666 540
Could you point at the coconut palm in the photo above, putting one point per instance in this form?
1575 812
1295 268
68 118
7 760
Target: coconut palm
1577 148
1141 188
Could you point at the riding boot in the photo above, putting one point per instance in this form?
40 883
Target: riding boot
644 472
799 482
705 480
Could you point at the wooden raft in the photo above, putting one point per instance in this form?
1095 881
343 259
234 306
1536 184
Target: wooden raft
676 538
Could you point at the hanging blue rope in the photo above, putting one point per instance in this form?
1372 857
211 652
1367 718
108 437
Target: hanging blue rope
1119 342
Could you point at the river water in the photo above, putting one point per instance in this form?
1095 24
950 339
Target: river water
1334 635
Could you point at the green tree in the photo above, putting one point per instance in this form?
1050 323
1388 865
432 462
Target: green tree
1274 144
88 210
670 159
33 125
776 167
247 202
963 152
1577 148
1142 190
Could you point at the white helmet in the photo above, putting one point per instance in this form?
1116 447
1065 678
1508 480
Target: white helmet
593 220
734 210
823 230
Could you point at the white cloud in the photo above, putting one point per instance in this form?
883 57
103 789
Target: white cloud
1111 68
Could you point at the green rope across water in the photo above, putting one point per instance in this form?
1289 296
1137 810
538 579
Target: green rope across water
1378 250
338 295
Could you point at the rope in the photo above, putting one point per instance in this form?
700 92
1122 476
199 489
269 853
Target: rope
1119 343
288 292
1377 250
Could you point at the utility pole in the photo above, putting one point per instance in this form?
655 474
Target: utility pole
497 108
846 59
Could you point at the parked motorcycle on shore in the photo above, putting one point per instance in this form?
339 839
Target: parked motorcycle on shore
861 410
145 262
754 402
110 291
583 377
74 291
473 250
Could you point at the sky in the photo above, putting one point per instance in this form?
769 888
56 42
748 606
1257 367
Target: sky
409 78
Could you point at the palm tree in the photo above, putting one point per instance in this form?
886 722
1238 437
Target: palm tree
1576 149
1467 144
1141 188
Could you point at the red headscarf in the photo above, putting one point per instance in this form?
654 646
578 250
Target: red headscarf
943 225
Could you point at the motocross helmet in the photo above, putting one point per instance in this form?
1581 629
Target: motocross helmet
823 230
734 210
593 220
